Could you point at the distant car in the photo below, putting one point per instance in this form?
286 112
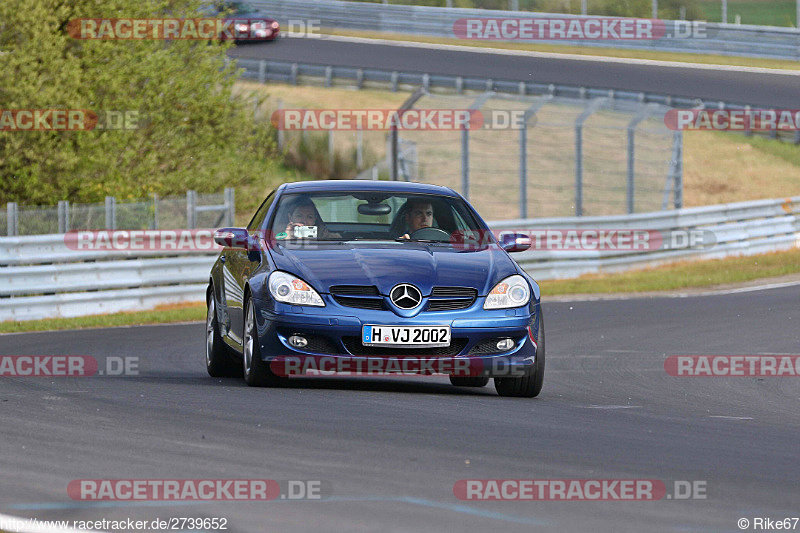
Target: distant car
246 20
346 269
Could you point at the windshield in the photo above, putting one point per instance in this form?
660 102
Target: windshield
371 216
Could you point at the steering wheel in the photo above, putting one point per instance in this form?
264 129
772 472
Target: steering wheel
430 234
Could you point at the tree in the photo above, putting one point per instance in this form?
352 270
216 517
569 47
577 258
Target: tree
192 131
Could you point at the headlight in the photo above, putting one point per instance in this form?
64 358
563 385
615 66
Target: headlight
291 290
511 292
275 25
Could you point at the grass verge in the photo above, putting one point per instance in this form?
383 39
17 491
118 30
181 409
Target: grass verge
706 59
683 275
160 315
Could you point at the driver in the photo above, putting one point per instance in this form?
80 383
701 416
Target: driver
419 214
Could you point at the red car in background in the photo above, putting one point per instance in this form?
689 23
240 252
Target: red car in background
248 24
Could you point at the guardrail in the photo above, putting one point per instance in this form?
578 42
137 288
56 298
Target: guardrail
742 228
45 278
722 39
42 277
328 76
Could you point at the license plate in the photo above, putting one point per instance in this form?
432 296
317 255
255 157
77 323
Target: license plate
406 336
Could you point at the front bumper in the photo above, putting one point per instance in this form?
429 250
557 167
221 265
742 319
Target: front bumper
335 333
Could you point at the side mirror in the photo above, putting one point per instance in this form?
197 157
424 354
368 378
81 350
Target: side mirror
233 238
515 242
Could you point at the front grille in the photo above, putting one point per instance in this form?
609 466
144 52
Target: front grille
451 298
316 343
354 346
358 296
320 344
360 303
354 290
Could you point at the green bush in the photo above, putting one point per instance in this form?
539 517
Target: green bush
195 134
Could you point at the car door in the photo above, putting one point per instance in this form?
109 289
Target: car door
236 270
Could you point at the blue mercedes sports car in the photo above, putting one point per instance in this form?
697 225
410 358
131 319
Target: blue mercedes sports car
368 270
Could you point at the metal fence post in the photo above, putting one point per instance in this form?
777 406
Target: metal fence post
393 140
230 206
281 133
111 213
465 163
394 136
678 192
191 214
331 150
523 169
592 107
63 216
155 211
523 153
359 149
12 221
632 125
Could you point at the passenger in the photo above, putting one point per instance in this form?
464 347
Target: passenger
303 212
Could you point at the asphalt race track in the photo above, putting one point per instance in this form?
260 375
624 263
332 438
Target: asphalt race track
392 449
755 88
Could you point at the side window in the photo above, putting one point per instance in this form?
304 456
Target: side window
258 218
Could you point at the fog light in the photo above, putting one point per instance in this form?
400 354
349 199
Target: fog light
505 344
296 341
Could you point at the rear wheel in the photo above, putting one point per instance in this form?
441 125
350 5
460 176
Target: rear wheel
219 363
257 373
531 385
472 381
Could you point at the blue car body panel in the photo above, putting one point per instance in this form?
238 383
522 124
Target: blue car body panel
337 329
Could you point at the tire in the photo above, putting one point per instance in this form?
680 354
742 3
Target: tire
471 381
219 362
257 373
531 385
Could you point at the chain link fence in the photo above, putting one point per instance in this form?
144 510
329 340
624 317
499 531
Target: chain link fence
173 212
575 157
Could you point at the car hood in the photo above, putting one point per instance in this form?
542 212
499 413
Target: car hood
384 266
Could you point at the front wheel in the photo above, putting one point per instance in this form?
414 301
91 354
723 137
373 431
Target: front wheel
219 363
531 385
257 373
